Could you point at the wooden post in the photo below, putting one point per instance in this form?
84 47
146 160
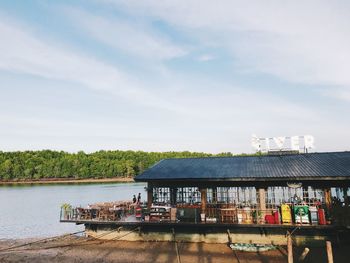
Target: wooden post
328 201
215 195
173 193
329 251
305 193
304 254
289 247
203 200
262 205
229 236
149 196
328 198
345 194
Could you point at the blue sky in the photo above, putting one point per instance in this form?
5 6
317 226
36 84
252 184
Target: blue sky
173 75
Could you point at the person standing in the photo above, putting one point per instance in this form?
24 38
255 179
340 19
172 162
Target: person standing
134 199
139 198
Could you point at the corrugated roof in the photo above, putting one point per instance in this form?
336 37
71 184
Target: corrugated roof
297 166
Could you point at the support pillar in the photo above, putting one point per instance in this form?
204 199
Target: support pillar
328 199
173 193
262 205
346 198
289 247
329 251
305 193
203 200
215 195
149 195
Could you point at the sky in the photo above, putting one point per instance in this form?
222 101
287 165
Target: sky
173 75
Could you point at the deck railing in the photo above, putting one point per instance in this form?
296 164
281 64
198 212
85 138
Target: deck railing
192 214
96 214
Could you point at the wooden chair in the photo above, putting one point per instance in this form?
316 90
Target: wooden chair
88 215
103 214
81 213
112 216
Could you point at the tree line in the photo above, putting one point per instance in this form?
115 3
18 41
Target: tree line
36 165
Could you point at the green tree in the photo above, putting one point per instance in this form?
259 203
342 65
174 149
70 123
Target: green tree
6 170
101 164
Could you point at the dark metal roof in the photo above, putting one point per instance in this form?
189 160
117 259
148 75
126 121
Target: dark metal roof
332 165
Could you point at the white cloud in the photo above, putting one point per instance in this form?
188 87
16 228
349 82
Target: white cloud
192 112
302 42
22 52
206 57
131 37
185 110
339 93
25 53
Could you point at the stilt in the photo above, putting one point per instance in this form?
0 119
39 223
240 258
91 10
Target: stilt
149 196
329 251
304 254
289 247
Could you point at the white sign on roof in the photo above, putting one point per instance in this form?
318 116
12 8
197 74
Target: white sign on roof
301 144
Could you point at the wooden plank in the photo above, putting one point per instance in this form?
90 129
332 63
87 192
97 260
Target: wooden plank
329 251
289 247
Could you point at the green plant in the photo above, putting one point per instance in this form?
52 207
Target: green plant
256 216
66 206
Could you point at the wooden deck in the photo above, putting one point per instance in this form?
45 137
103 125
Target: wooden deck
203 224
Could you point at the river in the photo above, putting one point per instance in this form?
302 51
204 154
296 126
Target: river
28 211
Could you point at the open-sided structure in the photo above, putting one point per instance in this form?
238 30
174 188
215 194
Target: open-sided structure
254 189
255 197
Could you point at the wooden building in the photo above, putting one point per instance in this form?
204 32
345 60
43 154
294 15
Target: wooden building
252 189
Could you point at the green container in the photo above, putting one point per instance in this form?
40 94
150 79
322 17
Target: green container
301 214
188 214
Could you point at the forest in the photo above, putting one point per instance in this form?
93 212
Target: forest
36 165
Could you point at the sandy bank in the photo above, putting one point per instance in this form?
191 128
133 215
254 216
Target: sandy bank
73 249
78 250
69 181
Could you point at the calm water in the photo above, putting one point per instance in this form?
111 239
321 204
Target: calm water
33 211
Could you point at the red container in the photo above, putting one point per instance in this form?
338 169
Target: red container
321 217
277 217
270 219
138 212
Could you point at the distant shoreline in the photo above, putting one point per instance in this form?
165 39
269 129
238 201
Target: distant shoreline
70 181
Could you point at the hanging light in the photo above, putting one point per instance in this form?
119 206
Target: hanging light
294 185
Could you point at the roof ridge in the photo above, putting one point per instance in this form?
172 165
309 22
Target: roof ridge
254 155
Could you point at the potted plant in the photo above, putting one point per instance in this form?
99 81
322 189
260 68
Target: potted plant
256 216
67 210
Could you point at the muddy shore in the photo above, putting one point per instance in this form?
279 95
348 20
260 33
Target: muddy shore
81 249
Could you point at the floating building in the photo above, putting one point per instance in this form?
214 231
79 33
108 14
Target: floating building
251 197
